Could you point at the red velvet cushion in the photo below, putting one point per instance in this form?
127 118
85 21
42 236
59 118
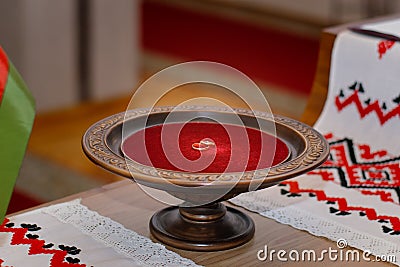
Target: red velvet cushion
236 148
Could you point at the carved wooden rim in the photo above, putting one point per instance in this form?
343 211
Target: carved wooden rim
95 147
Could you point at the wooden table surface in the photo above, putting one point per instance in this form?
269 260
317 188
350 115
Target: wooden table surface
125 202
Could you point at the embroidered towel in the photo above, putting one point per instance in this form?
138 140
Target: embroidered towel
355 194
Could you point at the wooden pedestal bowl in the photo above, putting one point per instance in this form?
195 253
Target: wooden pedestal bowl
202 222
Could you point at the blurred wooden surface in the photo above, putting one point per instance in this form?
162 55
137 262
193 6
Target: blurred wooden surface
56 136
319 91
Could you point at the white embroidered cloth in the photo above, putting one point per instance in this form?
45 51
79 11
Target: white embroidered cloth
355 194
69 234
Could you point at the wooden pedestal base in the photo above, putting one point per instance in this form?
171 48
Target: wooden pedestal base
205 228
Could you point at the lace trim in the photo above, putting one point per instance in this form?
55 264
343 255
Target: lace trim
114 235
316 225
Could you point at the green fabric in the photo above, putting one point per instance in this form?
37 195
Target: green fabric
17 112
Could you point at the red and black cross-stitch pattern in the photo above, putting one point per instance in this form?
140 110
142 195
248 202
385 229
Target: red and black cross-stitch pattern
355 166
28 234
365 105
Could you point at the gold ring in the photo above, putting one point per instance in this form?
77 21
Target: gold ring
200 146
